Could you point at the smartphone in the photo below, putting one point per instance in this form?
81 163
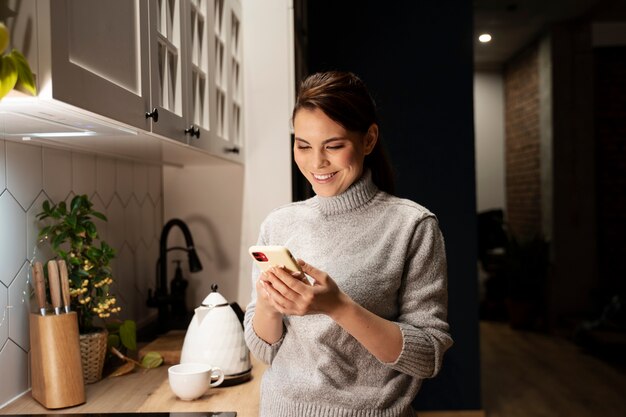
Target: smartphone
269 256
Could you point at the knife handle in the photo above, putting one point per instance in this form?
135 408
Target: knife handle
65 284
40 287
55 287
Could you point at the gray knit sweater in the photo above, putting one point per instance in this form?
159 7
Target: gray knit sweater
388 255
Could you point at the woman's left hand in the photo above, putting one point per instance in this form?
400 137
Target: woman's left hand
291 294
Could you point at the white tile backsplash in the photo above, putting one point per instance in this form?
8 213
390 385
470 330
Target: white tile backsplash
19 300
4 314
105 178
57 173
2 167
24 172
155 183
124 180
140 180
129 194
132 222
14 362
116 228
12 237
83 174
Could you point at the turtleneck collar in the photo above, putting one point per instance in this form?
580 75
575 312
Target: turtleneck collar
357 196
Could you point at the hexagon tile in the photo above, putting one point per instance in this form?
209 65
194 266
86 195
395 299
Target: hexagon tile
129 194
12 238
24 172
2 167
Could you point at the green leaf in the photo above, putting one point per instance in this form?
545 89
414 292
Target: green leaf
152 360
44 231
99 215
76 203
81 272
58 240
113 340
93 253
71 220
8 75
25 79
74 260
128 333
46 206
92 232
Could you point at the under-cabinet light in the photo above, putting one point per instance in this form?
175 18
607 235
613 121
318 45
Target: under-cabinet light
62 134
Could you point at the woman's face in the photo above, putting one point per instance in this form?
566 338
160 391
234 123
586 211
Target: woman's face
329 156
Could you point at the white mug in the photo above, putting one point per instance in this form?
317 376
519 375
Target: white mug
192 380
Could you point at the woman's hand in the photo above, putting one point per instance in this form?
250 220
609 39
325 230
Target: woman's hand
267 321
291 294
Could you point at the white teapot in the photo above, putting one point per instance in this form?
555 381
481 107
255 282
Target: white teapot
215 337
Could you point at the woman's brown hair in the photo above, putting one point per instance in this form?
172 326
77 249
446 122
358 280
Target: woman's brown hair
344 98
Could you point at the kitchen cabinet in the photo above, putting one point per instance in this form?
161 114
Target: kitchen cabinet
168 67
204 47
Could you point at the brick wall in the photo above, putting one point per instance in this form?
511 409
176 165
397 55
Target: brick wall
610 128
522 150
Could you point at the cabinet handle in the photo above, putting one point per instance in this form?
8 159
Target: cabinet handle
154 114
193 131
234 149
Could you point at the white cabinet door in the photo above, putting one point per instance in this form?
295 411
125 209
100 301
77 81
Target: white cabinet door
216 108
169 67
99 57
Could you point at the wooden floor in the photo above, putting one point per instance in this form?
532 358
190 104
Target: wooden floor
527 374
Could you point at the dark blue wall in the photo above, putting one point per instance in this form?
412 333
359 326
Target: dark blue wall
416 58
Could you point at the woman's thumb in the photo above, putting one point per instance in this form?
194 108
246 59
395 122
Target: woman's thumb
310 270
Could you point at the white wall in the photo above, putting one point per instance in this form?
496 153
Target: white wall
269 95
208 199
490 136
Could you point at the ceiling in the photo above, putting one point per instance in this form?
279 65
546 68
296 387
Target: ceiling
514 23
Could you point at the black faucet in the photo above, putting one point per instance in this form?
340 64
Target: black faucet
161 299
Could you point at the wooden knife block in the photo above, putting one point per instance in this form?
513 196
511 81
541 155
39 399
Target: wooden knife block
56 367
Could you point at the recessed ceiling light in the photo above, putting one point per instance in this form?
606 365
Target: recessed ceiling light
484 38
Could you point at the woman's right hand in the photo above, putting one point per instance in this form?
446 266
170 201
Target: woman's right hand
264 302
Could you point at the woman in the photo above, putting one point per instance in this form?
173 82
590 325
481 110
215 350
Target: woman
359 341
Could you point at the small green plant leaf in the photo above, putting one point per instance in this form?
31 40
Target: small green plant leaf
152 360
25 79
8 75
113 340
99 215
128 334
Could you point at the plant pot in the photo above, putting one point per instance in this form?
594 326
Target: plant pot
93 349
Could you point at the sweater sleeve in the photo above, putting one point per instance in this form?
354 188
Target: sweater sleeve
260 348
423 303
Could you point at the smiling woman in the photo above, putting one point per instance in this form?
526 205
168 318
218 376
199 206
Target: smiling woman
329 156
372 326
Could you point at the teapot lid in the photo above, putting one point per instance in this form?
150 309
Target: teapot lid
214 299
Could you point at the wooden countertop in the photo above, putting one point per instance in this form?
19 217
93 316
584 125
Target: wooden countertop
149 391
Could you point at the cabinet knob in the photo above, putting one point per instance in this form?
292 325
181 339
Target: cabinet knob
234 149
154 114
193 131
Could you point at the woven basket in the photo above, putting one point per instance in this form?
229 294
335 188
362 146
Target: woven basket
93 349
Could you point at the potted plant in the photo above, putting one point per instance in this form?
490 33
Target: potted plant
526 268
74 238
